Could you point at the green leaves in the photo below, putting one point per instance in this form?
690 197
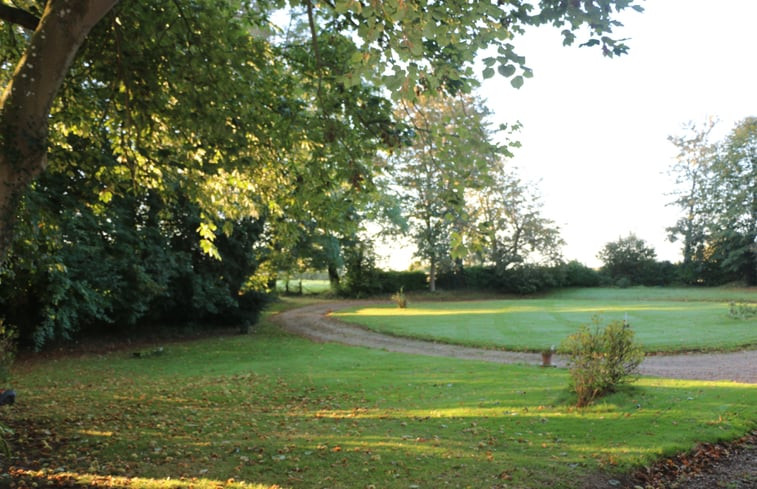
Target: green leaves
506 70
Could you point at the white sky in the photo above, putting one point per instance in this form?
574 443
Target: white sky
595 129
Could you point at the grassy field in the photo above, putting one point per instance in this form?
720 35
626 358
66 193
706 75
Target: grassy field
663 319
266 410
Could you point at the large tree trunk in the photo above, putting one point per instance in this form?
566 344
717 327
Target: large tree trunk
26 100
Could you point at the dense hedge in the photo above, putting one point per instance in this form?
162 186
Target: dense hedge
523 279
79 268
375 282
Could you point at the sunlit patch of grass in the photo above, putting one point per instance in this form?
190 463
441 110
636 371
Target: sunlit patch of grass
672 324
64 478
277 410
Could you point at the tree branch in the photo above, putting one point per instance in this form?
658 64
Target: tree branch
18 16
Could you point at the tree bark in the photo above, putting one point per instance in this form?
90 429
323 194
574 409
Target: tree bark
27 99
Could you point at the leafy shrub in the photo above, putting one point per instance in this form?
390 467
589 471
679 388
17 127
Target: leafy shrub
742 310
601 359
529 279
576 274
400 299
623 283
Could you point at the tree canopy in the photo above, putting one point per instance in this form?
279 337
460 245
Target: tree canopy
718 197
163 160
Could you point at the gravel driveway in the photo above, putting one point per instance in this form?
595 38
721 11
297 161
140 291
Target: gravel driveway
314 323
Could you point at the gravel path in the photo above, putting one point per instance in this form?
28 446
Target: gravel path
314 323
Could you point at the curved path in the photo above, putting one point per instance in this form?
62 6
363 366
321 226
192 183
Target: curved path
314 323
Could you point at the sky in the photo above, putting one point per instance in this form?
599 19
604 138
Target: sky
595 129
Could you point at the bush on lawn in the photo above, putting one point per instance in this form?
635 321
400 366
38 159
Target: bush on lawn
601 359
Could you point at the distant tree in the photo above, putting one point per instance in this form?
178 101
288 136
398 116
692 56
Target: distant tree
719 202
508 225
451 153
628 260
692 171
734 216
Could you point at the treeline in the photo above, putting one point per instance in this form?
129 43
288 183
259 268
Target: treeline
521 280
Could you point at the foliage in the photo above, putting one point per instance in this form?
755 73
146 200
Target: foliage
176 85
507 227
742 310
628 260
363 279
601 359
80 265
576 274
464 204
400 299
523 279
451 153
718 197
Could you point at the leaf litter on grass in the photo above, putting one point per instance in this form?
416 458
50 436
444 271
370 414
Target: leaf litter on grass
338 417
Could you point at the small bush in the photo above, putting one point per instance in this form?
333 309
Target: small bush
400 299
742 310
601 359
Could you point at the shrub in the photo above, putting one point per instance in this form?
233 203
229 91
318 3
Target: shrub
400 299
742 310
601 359
576 274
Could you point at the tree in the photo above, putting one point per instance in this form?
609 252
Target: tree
275 165
628 260
427 46
451 153
508 225
734 216
30 92
719 201
691 170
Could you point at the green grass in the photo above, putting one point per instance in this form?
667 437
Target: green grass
268 408
663 319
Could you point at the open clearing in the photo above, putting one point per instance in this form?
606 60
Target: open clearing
273 410
663 320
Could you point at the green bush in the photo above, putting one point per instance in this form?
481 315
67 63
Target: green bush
400 299
576 274
742 310
601 359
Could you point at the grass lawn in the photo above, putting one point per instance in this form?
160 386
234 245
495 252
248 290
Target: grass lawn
663 319
267 410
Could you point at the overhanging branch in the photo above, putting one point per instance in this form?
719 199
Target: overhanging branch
18 16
